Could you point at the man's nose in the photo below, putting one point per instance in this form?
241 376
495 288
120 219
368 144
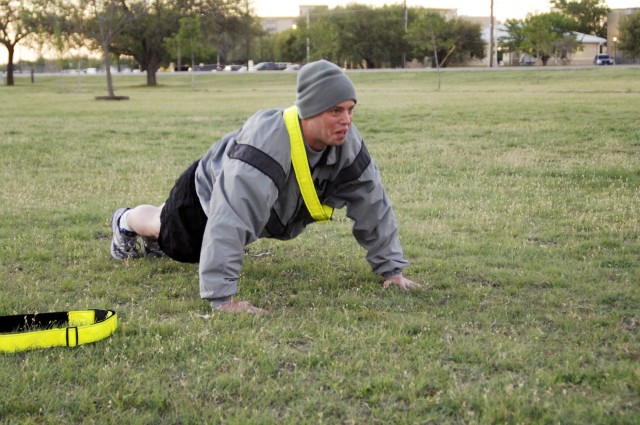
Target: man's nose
345 117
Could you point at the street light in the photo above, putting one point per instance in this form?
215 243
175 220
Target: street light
491 40
404 17
307 35
615 41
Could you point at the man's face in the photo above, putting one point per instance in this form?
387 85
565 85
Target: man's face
330 127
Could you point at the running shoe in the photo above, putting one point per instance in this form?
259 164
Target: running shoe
151 248
124 244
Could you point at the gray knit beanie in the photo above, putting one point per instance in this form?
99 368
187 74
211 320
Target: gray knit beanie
321 85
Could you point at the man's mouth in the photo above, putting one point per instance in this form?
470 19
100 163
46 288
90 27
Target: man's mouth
341 133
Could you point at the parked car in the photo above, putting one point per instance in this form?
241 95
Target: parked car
266 66
235 68
270 66
205 67
603 59
293 67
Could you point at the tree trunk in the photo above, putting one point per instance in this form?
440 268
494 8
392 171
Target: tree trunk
152 69
444 61
10 67
179 59
193 70
107 68
151 77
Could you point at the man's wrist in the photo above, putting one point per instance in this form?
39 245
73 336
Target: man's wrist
394 272
219 302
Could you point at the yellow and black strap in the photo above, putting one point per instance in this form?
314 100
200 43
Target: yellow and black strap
318 211
42 330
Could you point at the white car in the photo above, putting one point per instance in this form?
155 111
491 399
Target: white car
603 59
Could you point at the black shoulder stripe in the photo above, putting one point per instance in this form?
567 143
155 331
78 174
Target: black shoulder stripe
260 160
356 169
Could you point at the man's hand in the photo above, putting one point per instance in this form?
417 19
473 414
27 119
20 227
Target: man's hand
240 307
400 281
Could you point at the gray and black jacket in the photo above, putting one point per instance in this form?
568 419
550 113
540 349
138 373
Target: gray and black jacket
248 190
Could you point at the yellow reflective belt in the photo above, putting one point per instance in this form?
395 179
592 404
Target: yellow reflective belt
300 163
83 327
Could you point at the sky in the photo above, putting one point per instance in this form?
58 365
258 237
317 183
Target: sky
502 9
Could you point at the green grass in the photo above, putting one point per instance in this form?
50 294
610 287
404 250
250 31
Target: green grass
517 193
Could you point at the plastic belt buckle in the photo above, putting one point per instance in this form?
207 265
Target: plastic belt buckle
77 336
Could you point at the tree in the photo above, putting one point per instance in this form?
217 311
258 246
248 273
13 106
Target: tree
321 35
424 36
542 36
151 22
248 29
136 28
515 38
102 21
375 48
590 16
629 41
230 26
16 24
191 38
91 23
289 46
451 42
468 41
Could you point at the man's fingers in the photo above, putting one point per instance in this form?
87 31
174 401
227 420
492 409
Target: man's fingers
400 281
256 310
413 284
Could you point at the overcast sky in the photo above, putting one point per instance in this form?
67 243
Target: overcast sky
502 9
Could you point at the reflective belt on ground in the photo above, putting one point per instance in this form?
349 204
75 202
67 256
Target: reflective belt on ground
43 330
300 163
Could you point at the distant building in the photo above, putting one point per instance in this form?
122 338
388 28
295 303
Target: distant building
273 25
613 31
591 46
485 25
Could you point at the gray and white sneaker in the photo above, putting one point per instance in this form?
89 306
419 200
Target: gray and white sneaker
151 248
124 244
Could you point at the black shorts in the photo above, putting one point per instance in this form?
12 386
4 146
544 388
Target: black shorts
182 220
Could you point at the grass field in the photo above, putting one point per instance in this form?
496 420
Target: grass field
518 197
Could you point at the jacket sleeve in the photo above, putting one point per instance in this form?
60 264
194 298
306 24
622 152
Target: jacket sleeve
374 222
238 210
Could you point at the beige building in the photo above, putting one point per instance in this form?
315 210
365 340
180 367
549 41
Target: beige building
590 46
273 25
613 31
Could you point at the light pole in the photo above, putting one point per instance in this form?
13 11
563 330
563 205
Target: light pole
491 38
308 59
615 41
404 54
